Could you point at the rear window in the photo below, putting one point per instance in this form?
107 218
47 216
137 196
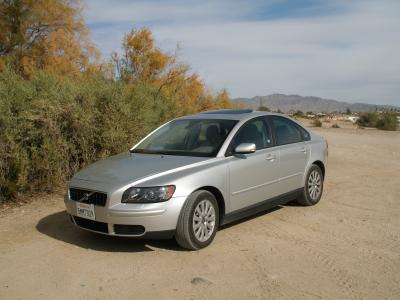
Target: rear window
287 131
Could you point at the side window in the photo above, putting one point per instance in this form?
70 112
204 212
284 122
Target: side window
255 131
286 131
304 133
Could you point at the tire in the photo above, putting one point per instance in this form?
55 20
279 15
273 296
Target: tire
314 185
194 230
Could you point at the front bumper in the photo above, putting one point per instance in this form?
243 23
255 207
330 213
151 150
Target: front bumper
134 220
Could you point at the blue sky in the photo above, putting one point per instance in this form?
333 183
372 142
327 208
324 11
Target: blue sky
344 50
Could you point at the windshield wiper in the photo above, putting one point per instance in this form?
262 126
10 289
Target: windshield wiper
136 151
144 151
172 152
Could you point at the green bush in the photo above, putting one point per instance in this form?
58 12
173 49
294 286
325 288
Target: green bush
367 120
299 114
316 123
384 121
388 121
50 126
263 108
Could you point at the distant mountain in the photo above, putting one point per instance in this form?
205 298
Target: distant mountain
287 103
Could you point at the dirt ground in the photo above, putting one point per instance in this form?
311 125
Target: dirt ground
347 246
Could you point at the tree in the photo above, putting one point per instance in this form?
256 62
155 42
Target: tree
172 81
142 60
45 34
348 111
52 122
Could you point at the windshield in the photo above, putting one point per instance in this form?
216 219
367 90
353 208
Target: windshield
191 137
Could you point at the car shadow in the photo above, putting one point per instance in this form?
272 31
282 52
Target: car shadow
58 226
293 203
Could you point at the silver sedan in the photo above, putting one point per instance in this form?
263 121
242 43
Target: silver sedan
195 173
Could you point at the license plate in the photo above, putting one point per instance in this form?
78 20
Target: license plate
85 210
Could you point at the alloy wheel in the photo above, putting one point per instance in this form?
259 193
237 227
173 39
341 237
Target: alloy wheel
204 220
314 185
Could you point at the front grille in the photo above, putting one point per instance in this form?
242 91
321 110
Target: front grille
91 225
97 198
128 229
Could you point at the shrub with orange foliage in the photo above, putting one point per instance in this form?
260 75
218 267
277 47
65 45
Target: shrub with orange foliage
47 35
143 61
55 119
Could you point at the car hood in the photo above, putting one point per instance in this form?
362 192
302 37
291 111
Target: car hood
125 168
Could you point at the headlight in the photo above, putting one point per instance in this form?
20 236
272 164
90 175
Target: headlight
148 194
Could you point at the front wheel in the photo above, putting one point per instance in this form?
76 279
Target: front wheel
198 221
313 188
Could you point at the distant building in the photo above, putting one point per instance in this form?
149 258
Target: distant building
353 119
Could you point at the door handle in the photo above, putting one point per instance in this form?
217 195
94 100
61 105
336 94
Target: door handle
270 157
303 149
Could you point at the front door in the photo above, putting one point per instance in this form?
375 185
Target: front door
253 177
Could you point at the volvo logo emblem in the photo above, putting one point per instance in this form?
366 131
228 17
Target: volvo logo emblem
85 197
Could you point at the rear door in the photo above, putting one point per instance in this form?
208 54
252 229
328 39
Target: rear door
253 177
294 152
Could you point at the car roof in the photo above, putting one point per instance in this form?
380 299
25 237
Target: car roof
230 114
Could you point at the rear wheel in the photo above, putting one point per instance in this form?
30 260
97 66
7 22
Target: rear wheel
313 188
198 221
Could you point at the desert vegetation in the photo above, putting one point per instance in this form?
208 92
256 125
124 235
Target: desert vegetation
62 107
298 114
383 121
316 122
263 108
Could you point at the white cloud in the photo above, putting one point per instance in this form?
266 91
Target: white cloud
350 55
169 11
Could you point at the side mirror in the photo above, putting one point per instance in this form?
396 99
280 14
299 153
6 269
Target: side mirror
245 148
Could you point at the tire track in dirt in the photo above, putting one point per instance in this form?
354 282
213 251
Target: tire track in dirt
267 285
366 252
373 210
339 274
